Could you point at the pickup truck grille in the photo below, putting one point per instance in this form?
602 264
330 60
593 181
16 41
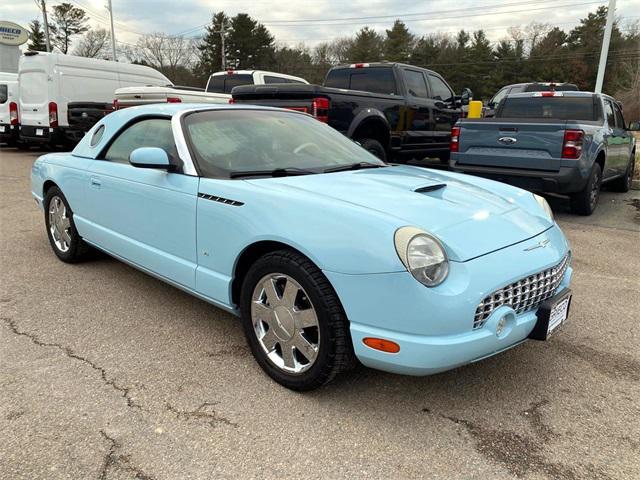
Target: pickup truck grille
524 295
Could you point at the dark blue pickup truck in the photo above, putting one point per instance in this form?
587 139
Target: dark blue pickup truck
559 142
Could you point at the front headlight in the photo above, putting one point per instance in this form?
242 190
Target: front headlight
545 205
423 255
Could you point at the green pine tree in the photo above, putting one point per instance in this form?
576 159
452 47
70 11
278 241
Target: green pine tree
398 45
37 40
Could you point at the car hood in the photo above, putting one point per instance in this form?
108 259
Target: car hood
468 217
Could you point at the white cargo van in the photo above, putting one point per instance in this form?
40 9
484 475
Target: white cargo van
63 96
9 108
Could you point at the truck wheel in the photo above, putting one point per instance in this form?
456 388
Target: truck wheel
444 158
374 147
623 184
585 201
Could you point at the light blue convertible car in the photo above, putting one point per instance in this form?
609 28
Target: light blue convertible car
327 254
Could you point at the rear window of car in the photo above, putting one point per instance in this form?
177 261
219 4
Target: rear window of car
3 94
560 108
367 79
225 83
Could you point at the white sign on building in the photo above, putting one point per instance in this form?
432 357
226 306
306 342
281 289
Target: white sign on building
12 36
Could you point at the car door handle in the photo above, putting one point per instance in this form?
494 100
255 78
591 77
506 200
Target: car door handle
95 182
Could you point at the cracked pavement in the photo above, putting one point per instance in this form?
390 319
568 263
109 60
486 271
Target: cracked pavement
107 373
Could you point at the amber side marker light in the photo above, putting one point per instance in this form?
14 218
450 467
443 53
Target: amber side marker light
381 344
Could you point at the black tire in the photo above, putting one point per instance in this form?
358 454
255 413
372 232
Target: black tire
78 250
374 147
22 146
335 350
444 158
623 184
586 201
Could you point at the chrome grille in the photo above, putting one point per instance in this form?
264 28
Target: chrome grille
525 294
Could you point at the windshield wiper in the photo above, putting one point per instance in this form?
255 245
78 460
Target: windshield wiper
353 166
276 172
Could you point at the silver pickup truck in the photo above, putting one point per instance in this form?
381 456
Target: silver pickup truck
559 142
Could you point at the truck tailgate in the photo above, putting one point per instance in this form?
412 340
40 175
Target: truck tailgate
531 145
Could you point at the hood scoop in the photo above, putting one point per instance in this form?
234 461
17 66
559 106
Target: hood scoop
430 188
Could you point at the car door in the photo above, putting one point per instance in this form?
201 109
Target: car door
445 113
145 215
625 139
419 121
613 142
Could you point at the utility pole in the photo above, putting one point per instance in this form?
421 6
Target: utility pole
43 6
223 56
113 32
605 45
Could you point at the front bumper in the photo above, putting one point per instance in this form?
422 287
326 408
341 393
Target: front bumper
566 180
434 326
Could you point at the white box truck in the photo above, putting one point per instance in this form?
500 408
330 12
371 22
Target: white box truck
9 108
63 96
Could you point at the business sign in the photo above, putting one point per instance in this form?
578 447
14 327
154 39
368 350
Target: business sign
12 33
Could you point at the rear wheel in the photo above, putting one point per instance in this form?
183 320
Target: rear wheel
294 323
623 184
374 147
63 236
585 201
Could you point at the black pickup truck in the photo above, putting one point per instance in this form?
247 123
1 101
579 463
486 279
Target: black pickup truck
393 110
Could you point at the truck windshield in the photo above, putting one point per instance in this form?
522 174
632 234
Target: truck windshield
239 141
367 79
560 108
225 83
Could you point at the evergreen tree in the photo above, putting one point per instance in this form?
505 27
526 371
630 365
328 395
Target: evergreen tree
250 45
37 40
67 22
367 46
210 48
399 43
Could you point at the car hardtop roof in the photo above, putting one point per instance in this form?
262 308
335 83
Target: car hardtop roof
171 109
382 64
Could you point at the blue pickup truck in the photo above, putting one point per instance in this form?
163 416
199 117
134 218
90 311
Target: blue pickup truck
568 143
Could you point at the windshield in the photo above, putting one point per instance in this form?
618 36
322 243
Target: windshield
560 108
228 141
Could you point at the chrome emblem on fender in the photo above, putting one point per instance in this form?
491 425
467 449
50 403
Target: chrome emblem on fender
540 244
507 140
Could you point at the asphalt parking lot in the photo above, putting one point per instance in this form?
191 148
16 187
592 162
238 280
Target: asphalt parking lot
107 373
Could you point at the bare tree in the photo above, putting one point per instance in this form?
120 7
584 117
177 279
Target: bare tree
165 53
94 44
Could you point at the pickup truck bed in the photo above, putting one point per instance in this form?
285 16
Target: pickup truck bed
564 142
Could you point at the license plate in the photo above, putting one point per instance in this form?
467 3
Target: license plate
39 132
1 128
551 315
558 315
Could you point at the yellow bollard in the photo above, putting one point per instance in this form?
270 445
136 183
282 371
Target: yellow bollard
475 109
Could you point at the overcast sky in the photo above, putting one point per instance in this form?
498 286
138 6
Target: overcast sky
311 22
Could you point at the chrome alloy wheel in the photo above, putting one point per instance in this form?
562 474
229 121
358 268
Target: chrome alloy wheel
59 224
285 323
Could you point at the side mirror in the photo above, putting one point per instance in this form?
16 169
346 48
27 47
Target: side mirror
150 157
634 126
466 95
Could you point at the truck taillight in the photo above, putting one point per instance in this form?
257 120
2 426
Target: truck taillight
320 109
231 100
572 144
53 114
13 113
359 65
455 139
173 100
